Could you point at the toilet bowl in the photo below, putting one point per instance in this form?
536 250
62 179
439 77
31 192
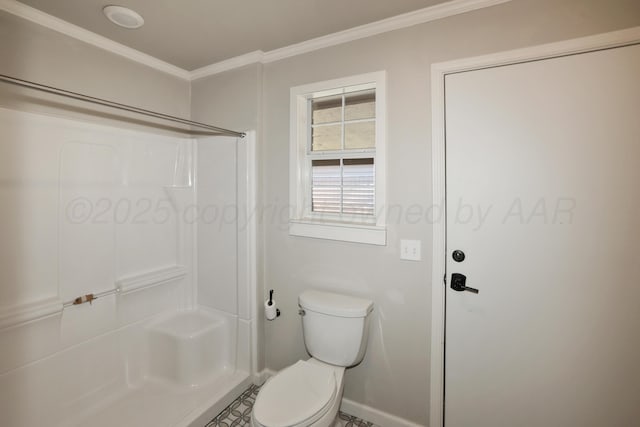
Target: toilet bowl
309 393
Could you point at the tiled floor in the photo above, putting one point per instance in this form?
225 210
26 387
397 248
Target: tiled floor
238 414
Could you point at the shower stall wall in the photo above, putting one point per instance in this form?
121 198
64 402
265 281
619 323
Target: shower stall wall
121 302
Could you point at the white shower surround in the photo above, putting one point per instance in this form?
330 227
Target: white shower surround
101 364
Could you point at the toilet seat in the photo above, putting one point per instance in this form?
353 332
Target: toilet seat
297 396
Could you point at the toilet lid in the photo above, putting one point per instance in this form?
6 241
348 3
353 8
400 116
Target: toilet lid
295 394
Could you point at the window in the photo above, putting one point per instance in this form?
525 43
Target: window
337 159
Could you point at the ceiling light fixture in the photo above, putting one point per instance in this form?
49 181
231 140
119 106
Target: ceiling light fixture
123 16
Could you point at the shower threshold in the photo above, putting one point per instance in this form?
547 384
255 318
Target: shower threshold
159 404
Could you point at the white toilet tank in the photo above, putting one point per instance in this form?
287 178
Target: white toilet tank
335 326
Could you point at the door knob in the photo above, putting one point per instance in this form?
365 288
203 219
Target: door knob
458 283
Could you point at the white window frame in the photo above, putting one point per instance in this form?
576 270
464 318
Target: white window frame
351 228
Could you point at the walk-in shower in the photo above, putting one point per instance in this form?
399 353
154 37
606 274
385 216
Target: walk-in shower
126 263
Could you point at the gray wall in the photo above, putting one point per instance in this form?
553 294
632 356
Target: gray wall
229 99
32 52
394 376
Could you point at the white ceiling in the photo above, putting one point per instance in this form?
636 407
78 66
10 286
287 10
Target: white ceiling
194 33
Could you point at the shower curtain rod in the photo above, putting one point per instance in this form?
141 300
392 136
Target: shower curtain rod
205 128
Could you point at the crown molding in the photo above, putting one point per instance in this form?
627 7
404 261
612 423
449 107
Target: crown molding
41 18
421 16
254 57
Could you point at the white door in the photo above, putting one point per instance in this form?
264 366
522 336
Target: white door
543 198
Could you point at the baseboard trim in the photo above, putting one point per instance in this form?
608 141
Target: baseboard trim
379 418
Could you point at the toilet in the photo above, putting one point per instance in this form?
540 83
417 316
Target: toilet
308 393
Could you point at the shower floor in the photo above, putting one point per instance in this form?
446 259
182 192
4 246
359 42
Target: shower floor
238 414
162 405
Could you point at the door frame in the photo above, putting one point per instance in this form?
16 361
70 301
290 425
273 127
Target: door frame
438 73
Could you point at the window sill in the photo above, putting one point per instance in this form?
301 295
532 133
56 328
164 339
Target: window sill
356 233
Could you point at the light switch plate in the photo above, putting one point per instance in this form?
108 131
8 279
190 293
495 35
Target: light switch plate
410 250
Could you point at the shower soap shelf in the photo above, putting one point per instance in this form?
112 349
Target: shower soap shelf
28 312
150 279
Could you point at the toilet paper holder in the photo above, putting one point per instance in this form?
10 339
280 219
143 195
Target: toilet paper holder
271 312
